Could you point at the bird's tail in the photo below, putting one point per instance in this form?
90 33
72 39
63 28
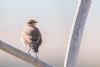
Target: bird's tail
35 50
35 47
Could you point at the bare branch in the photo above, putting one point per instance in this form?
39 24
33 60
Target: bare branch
22 55
76 34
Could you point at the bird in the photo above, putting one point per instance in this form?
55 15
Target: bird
31 36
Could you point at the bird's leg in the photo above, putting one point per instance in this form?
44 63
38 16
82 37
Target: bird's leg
36 55
29 51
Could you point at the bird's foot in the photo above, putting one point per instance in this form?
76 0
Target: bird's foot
37 57
28 53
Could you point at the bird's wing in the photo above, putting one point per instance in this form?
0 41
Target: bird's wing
36 36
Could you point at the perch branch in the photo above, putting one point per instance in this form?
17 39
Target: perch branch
22 55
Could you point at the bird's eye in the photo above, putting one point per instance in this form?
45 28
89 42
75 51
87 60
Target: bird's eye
30 22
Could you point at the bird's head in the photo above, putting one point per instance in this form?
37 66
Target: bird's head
32 23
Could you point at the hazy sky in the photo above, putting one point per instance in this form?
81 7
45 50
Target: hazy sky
55 19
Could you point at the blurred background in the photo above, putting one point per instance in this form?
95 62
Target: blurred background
55 20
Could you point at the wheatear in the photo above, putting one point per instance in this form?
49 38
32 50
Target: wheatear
31 36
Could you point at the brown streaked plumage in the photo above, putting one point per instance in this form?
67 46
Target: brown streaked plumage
31 36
